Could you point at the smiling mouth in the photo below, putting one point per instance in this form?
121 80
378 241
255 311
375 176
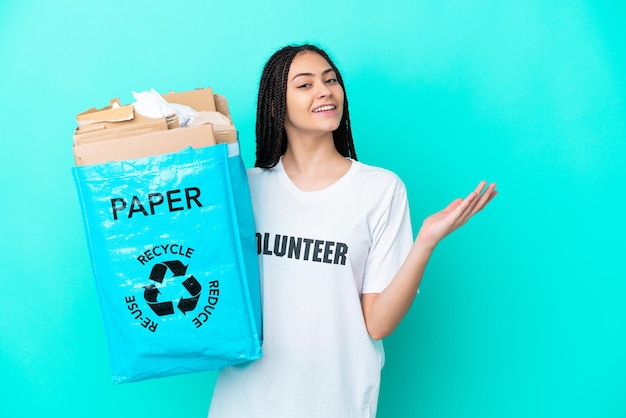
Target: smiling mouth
324 108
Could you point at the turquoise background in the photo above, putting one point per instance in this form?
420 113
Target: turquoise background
522 312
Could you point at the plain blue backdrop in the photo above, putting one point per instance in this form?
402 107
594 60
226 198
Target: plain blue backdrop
521 313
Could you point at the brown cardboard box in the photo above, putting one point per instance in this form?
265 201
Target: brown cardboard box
101 140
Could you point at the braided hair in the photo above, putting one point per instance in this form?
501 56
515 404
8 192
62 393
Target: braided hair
271 138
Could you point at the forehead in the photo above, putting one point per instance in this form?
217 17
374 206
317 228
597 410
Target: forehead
308 62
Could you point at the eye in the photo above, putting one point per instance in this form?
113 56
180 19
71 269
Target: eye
304 85
331 81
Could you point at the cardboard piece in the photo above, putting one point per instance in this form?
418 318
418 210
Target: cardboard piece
101 140
155 143
104 131
115 112
198 99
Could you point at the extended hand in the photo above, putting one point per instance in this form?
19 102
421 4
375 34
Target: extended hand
437 226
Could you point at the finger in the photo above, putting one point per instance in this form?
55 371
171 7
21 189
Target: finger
465 205
483 200
473 203
453 205
476 195
493 194
481 185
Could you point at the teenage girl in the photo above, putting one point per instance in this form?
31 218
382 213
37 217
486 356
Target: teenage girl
339 265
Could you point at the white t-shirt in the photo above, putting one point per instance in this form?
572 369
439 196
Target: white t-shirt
319 251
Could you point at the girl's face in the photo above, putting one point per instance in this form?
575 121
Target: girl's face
314 97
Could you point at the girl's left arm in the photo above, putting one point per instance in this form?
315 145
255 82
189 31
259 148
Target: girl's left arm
384 311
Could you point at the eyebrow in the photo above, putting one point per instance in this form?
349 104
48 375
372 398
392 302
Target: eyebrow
311 74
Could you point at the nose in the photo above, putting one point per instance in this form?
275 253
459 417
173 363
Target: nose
323 90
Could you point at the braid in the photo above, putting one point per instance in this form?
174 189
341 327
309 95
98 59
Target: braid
272 109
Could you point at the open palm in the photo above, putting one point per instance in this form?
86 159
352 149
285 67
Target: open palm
438 225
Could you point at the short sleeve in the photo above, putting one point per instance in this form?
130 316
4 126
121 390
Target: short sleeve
392 238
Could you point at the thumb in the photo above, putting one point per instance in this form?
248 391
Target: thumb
453 205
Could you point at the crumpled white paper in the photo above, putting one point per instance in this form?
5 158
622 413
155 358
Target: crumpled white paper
152 105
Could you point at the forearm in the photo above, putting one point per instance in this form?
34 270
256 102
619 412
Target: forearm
383 312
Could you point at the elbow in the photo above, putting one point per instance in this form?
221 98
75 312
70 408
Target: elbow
377 337
379 324
378 333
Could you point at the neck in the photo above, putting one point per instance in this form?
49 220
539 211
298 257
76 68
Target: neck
314 164
305 152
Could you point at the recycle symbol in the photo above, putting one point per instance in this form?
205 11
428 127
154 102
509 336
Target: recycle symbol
151 292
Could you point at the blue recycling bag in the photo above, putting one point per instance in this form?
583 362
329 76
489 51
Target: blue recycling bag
173 249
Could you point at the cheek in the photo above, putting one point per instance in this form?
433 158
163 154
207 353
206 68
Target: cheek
293 106
291 111
340 108
340 98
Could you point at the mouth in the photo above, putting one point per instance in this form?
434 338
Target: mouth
324 108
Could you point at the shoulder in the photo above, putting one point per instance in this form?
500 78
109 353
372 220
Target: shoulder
259 174
264 182
254 171
377 177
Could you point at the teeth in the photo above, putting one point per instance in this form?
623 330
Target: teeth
323 108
